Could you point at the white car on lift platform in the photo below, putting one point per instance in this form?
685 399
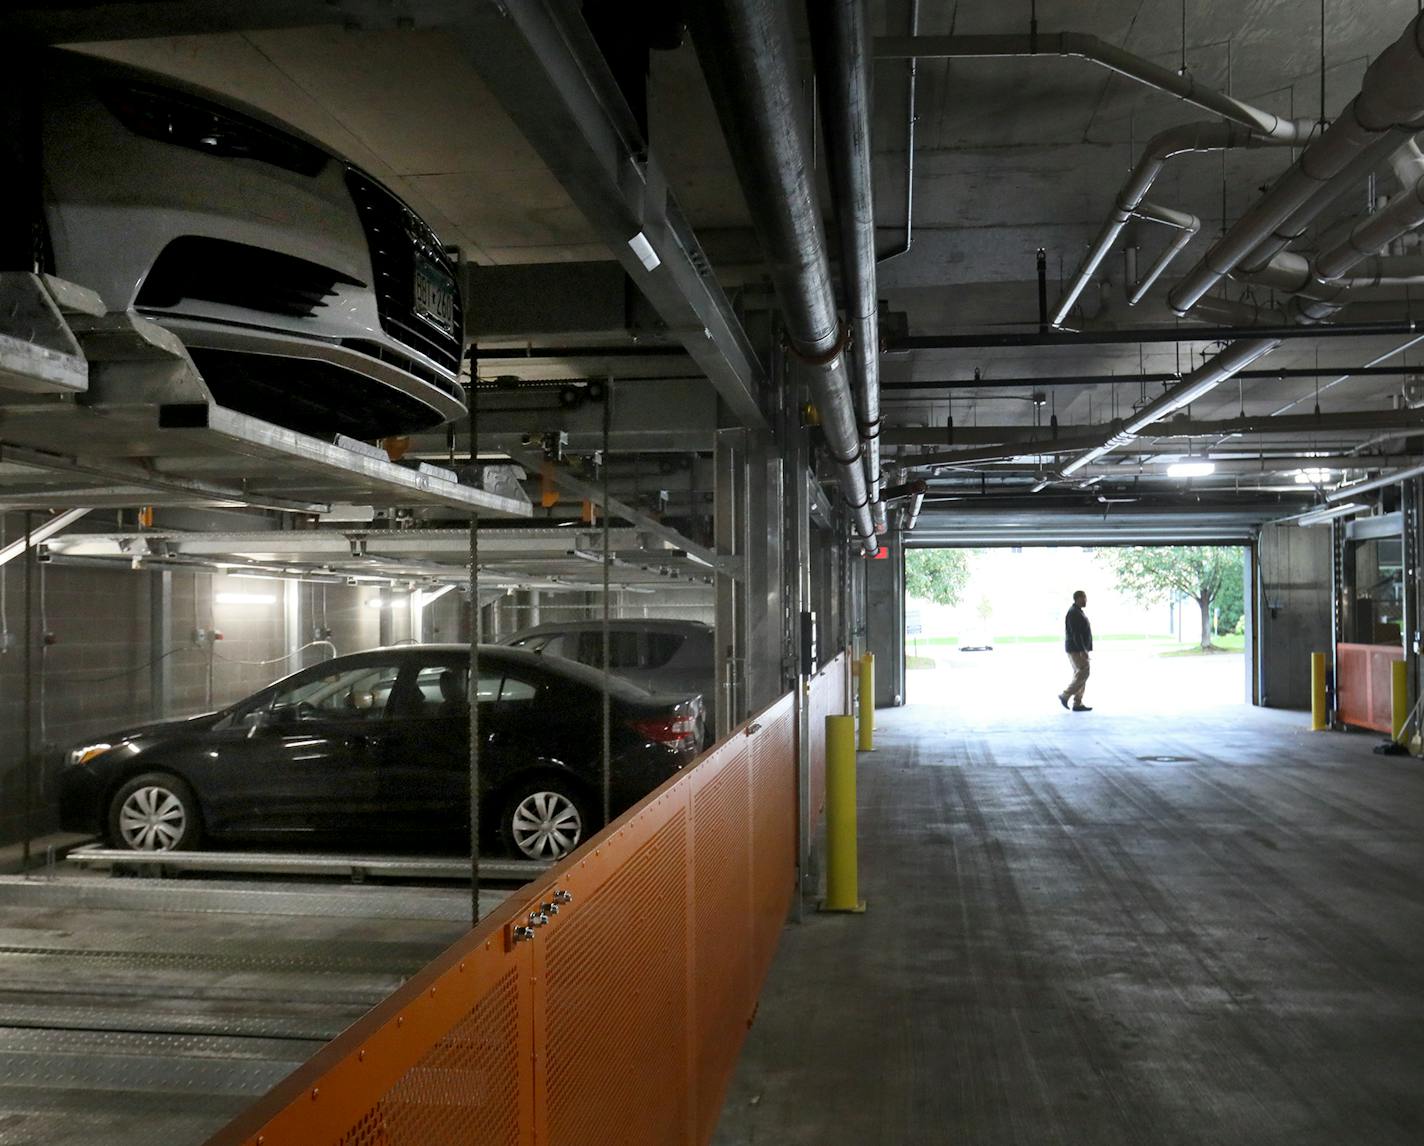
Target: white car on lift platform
307 293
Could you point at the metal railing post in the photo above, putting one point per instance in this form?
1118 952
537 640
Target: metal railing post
867 702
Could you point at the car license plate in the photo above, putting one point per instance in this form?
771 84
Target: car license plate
434 296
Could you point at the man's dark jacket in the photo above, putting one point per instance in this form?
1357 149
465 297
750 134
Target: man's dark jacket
1077 633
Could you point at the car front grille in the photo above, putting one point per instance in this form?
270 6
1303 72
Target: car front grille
410 365
398 237
311 396
235 274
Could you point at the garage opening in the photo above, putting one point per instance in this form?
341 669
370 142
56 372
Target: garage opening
984 628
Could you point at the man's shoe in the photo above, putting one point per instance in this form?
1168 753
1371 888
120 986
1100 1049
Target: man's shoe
1081 708
1063 700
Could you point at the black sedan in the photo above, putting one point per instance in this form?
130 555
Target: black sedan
375 746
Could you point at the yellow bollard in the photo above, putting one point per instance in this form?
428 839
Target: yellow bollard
1399 698
842 890
1317 692
867 703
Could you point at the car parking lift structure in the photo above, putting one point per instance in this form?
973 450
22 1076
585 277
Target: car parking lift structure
704 383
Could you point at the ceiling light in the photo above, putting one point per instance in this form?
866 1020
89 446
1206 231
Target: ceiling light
245 599
1191 469
1313 476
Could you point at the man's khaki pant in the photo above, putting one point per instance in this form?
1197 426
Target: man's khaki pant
1074 691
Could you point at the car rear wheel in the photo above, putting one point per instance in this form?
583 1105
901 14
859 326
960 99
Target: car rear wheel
545 820
154 812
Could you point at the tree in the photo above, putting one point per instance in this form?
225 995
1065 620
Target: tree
937 575
1229 604
1201 572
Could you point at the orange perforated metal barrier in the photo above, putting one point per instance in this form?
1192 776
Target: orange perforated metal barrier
1362 686
620 1020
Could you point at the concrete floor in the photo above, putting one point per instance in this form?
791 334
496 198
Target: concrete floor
1069 943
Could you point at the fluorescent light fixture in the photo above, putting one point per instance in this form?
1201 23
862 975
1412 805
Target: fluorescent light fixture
245 599
1313 476
1191 469
1321 516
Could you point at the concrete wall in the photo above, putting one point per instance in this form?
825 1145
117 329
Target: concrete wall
1293 610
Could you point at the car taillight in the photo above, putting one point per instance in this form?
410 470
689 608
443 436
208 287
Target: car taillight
674 730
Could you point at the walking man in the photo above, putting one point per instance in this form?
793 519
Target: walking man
1078 642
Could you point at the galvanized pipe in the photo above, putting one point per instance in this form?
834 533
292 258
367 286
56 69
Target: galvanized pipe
1184 139
1388 110
1187 227
840 43
1206 377
747 52
910 117
1091 48
1345 492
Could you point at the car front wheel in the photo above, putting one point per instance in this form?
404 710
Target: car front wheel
545 820
154 812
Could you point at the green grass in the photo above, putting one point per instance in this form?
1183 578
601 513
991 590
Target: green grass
1226 643
913 662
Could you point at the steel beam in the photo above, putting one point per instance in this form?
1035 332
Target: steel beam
1025 382
591 491
552 80
1181 334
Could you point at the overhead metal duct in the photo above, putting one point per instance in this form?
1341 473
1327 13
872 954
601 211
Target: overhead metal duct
1387 112
839 40
747 52
1403 214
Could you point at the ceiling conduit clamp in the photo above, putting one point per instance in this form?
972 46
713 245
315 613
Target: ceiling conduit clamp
825 358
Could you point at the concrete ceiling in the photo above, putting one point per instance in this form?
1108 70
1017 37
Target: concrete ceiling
1011 156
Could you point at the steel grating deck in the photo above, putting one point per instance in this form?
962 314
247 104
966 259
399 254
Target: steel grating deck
152 1010
357 867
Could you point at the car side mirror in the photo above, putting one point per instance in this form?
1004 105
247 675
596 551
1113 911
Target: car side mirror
275 716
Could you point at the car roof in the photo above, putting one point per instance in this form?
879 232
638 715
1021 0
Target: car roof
502 656
647 624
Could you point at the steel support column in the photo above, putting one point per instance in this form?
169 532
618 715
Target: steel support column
1409 531
730 504
160 636
798 582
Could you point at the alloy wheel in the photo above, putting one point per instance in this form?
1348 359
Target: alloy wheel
152 819
546 825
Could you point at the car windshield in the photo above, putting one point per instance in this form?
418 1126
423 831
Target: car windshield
360 692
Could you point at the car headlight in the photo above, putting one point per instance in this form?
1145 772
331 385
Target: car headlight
88 752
